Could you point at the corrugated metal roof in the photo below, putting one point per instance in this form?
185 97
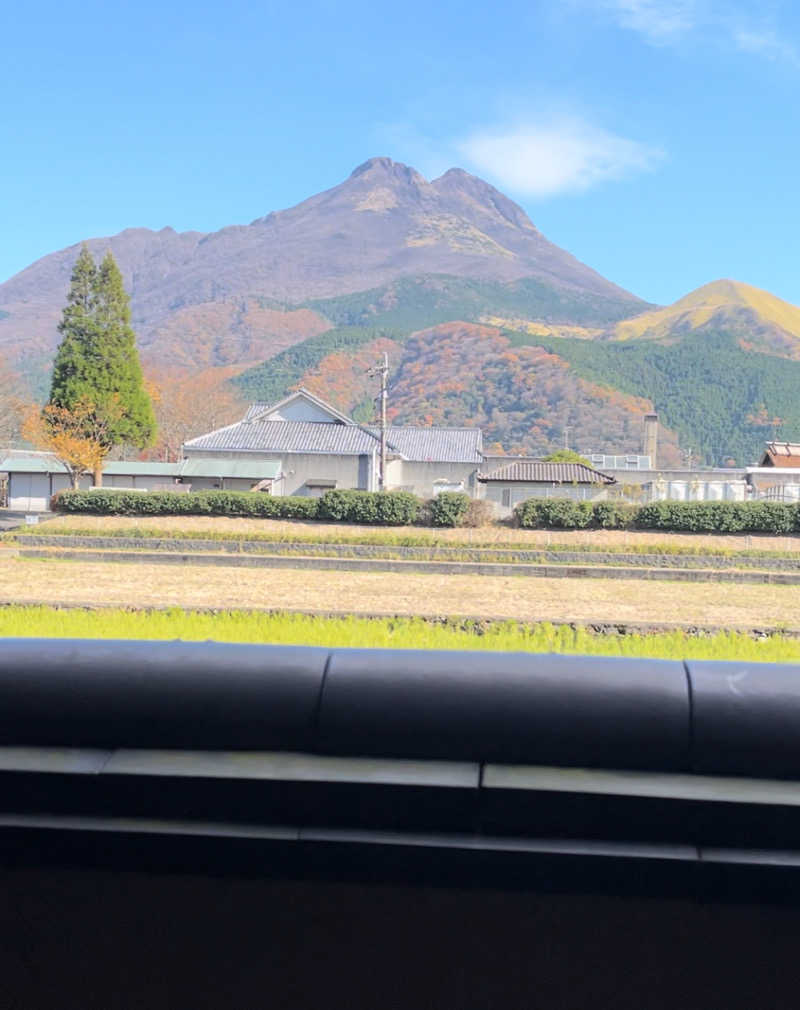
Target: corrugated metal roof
288 436
548 473
246 469
115 468
241 468
441 445
136 468
41 462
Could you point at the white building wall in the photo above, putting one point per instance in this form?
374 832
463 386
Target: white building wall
299 410
28 492
696 490
505 495
420 477
61 482
351 471
348 472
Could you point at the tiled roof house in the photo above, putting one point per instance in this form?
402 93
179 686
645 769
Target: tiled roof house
317 447
517 481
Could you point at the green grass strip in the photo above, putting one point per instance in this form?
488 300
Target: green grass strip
398 633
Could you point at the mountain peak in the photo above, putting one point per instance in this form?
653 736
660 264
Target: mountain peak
384 223
724 289
469 190
764 321
386 169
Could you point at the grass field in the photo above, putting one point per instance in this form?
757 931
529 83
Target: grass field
531 600
403 633
490 536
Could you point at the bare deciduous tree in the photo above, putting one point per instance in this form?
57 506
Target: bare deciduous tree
13 407
189 405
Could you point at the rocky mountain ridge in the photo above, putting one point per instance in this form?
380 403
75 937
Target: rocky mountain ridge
384 222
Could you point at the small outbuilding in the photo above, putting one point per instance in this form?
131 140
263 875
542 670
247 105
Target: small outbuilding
518 481
34 477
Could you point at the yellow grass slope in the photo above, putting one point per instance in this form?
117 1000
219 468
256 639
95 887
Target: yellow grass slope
763 321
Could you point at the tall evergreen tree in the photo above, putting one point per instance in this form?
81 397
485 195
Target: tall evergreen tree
118 377
97 361
79 332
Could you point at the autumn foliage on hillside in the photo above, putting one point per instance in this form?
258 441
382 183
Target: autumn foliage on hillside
343 378
241 331
463 374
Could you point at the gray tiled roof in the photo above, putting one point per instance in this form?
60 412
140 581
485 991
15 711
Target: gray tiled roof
442 445
549 473
288 436
255 409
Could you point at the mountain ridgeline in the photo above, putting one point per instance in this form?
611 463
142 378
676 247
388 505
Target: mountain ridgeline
485 320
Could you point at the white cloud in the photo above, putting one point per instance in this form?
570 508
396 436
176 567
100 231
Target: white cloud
765 42
562 156
660 21
672 22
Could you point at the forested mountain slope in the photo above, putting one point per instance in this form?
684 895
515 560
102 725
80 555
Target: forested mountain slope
459 373
722 401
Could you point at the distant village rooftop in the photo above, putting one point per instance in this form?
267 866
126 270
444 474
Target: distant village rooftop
782 454
536 471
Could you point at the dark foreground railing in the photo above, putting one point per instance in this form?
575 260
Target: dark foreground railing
510 767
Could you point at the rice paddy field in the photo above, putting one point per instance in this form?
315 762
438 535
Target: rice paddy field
400 632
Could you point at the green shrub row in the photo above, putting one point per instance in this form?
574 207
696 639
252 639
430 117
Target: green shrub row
720 517
671 516
388 508
107 502
449 508
398 508
393 508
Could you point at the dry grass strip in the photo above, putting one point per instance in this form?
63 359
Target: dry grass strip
485 535
618 600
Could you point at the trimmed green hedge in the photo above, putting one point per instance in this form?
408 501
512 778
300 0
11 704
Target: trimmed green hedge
398 508
381 508
720 517
393 508
669 516
554 513
108 502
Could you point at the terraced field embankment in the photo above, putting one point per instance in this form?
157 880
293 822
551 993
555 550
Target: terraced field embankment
353 557
479 555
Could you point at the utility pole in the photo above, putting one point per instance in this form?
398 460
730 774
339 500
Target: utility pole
567 430
382 370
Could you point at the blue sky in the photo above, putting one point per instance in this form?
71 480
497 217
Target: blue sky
655 139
